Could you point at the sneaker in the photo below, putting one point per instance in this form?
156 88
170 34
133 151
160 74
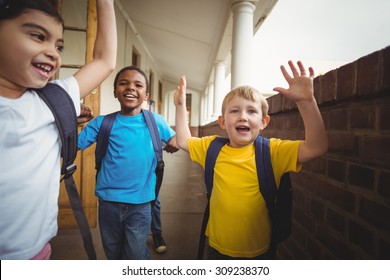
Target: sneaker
159 243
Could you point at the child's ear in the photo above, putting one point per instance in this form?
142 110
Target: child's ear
264 122
115 94
221 122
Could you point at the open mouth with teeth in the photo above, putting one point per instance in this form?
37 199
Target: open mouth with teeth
242 128
43 69
130 96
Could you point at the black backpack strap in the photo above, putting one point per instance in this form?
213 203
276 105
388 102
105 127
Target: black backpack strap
211 157
62 107
274 198
157 146
102 139
265 173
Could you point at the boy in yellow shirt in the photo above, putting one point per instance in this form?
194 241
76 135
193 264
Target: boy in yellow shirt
239 225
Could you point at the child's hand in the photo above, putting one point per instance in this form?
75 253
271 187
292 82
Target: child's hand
300 85
86 114
180 94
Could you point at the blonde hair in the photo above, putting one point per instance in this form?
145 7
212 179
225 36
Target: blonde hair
248 93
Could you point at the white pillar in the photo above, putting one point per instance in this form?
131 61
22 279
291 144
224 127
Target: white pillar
242 42
205 105
210 99
219 88
202 111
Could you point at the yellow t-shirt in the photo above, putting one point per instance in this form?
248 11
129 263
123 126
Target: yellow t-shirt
239 225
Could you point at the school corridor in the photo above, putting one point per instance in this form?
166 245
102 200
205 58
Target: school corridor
183 200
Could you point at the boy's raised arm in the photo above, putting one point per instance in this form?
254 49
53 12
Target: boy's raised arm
95 72
302 93
182 130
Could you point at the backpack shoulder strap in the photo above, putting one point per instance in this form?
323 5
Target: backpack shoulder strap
157 146
102 139
62 107
211 157
151 123
265 173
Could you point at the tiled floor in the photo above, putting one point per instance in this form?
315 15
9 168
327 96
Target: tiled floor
182 204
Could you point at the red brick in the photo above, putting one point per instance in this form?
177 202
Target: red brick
361 176
376 149
384 116
345 144
384 249
384 184
317 210
375 213
385 85
317 85
361 236
346 80
329 86
335 244
336 195
338 120
368 71
275 104
363 118
336 221
337 170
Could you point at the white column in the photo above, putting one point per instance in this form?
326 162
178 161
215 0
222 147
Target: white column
202 111
205 105
210 99
219 89
242 42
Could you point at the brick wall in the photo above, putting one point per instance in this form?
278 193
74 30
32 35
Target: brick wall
341 200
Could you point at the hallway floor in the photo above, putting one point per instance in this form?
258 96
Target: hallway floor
183 200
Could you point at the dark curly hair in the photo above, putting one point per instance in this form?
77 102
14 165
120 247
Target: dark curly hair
127 68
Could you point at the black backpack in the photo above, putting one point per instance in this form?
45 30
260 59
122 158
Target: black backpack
279 201
103 137
62 107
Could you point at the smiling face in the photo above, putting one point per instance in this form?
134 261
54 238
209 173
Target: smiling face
29 52
130 89
243 119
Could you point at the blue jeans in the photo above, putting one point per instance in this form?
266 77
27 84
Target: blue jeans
124 229
156 219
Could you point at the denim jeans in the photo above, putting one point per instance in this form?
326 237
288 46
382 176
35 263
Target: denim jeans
156 217
124 229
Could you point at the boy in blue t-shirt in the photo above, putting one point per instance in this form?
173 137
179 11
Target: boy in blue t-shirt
125 184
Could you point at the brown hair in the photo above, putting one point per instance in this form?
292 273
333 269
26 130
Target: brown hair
248 93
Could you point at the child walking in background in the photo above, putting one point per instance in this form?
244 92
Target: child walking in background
239 225
126 181
158 241
31 36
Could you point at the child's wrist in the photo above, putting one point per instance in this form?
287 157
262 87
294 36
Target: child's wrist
307 102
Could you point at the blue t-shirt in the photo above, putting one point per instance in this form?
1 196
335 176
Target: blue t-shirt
127 171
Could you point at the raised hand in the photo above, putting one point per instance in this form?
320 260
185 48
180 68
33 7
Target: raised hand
180 94
183 132
300 84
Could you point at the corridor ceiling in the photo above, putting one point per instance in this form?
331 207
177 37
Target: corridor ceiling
187 36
